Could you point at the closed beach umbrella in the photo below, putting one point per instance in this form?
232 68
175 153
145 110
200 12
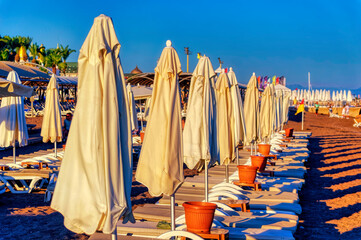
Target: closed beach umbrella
344 96
285 107
51 128
237 109
349 96
12 119
132 108
251 111
224 119
160 166
265 114
200 132
94 184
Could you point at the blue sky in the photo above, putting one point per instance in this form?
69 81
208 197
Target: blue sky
287 38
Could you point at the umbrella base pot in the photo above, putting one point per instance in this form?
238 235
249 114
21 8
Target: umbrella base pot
264 149
289 132
259 162
199 216
247 174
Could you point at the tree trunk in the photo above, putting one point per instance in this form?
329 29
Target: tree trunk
54 69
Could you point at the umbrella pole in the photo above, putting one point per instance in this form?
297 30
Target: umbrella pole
227 174
302 120
56 152
114 234
237 154
206 180
14 153
141 115
172 208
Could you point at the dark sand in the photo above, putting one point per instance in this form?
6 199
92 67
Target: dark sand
331 197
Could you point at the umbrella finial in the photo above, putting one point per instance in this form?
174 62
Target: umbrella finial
223 71
231 69
169 43
254 74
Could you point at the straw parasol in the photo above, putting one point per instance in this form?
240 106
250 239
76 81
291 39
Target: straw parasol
224 121
12 119
251 110
12 89
132 109
237 111
160 166
200 130
51 127
94 184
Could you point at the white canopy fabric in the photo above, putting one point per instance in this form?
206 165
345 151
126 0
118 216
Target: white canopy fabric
51 129
200 130
132 108
224 120
265 113
349 96
251 111
12 118
11 89
94 185
285 107
160 166
237 109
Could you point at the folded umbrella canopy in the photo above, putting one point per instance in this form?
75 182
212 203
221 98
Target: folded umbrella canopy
225 121
200 132
51 129
12 89
160 166
251 111
266 113
95 179
12 119
132 108
237 111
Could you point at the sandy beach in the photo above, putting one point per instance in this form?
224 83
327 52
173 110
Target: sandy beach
330 199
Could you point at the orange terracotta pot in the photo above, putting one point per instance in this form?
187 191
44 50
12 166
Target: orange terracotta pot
183 123
64 147
259 161
247 174
199 216
289 132
142 136
264 149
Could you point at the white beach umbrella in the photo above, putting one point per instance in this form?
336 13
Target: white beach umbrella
237 110
349 96
132 108
51 129
251 109
199 134
317 95
298 94
160 166
313 95
266 118
200 130
337 96
12 119
285 107
94 185
225 120
334 98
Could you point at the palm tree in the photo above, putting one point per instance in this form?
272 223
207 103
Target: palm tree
34 51
4 54
11 43
65 52
24 43
52 58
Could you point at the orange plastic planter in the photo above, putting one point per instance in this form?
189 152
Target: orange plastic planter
199 216
264 149
64 146
259 161
289 132
247 174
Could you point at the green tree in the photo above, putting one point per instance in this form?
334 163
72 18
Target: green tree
34 51
52 58
4 54
24 43
65 52
12 44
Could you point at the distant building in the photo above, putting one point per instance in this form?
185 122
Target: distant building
136 70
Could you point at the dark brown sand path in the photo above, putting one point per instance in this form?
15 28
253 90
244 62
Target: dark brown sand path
331 197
